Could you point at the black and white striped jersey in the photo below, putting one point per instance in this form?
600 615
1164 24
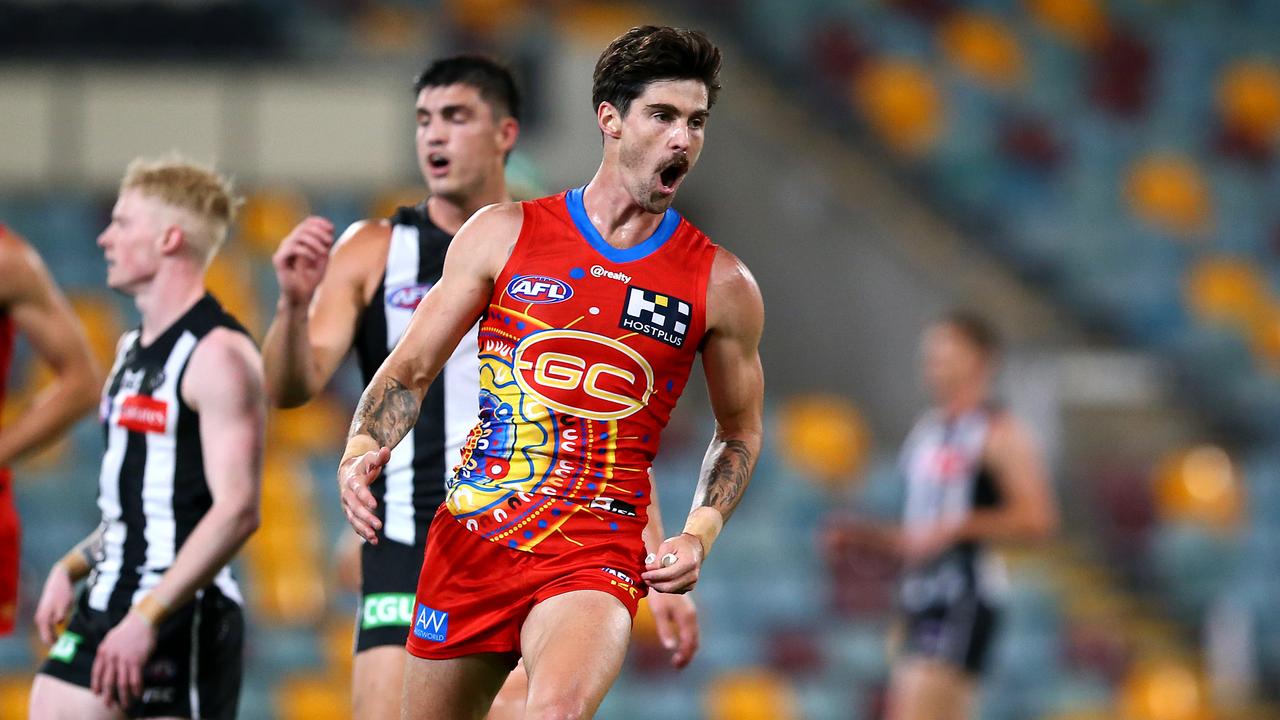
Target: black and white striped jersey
152 489
947 477
411 486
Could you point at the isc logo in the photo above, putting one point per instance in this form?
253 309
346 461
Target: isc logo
538 289
583 374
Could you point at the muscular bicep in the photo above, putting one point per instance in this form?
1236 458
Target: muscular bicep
223 383
731 350
475 258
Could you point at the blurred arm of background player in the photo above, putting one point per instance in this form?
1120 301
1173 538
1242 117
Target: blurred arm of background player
390 404
320 302
44 317
59 591
735 383
1028 512
223 383
676 616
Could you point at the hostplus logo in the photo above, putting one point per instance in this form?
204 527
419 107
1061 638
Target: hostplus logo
661 317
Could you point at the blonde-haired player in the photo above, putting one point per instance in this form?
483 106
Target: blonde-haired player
158 629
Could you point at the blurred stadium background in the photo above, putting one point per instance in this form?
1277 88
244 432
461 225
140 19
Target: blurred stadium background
1097 176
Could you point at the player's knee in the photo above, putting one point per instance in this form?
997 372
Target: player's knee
563 707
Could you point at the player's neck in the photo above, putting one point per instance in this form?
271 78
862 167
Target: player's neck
168 297
449 214
963 401
621 221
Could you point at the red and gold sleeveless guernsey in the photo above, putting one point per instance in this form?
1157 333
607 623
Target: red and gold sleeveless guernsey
584 350
9 526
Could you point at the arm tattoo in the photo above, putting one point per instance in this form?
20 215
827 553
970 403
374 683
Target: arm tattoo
386 412
92 548
723 484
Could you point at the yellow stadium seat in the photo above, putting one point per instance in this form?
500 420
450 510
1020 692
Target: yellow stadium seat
268 216
14 693
313 697
825 437
1081 22
1228 291
230 279
596 24
1164 690
902 104
1200 484
384 206
102 323
316 427
1249 99
339 642
984 47
1169 192
751 695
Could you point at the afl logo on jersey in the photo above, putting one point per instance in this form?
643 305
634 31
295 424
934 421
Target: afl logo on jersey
407 297
539 289
583 374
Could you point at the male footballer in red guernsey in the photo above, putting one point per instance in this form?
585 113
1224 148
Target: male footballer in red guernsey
592 305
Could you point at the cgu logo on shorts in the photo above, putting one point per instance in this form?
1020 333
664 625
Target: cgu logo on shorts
407 297
539 289
144 414
583 374
431 624
386 609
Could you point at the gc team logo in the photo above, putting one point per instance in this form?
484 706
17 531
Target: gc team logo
583 374
539 289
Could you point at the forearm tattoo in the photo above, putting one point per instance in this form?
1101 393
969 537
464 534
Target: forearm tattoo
92 548
387 411
723 484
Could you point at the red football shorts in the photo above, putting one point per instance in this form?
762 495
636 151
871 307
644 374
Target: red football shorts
10 550
474 595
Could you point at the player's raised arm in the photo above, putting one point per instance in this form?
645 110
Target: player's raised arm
390 404
321 298
45 318
735 382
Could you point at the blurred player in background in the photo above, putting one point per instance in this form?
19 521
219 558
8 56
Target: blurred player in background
158 630
592 306
361 299
974 476
31 303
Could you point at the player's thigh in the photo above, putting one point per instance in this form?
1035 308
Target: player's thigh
54 699
456 689
927 689
509 705
573 646
377 678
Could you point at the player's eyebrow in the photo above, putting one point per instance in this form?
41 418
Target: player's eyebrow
673 110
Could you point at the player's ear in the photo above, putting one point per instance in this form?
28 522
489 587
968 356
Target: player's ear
609 120
173 240
508 132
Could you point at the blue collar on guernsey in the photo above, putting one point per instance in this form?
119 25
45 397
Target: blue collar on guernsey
666 228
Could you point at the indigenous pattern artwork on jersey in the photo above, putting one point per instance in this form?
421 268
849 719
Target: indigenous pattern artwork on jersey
584 351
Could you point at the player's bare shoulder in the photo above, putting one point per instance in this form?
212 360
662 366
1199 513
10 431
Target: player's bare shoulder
487 238
360 253
734 302
225 368
20 266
